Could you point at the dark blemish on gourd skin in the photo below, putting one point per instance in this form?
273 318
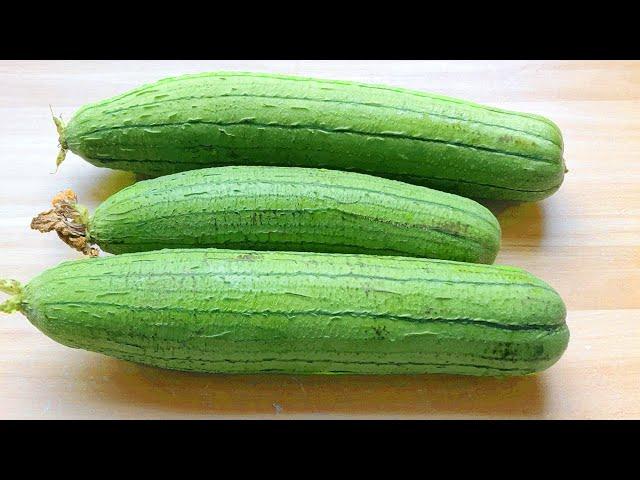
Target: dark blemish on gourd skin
381 332
247 257
511 352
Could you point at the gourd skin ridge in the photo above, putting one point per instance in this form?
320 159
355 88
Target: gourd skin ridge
225 311
238 118
300 209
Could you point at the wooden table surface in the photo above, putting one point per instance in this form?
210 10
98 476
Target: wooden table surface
584 241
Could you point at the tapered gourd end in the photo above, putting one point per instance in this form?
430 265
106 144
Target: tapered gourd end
15 289
69 220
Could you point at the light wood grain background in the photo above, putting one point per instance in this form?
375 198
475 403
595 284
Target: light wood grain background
584 240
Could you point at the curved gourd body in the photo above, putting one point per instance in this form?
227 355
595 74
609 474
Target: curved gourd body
225 311
299 209
237 118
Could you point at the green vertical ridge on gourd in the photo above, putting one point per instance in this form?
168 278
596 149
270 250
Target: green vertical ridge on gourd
288 208
238 118
226 311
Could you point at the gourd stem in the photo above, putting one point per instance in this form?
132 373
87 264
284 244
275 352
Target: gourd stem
69 220
12 287
62 153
